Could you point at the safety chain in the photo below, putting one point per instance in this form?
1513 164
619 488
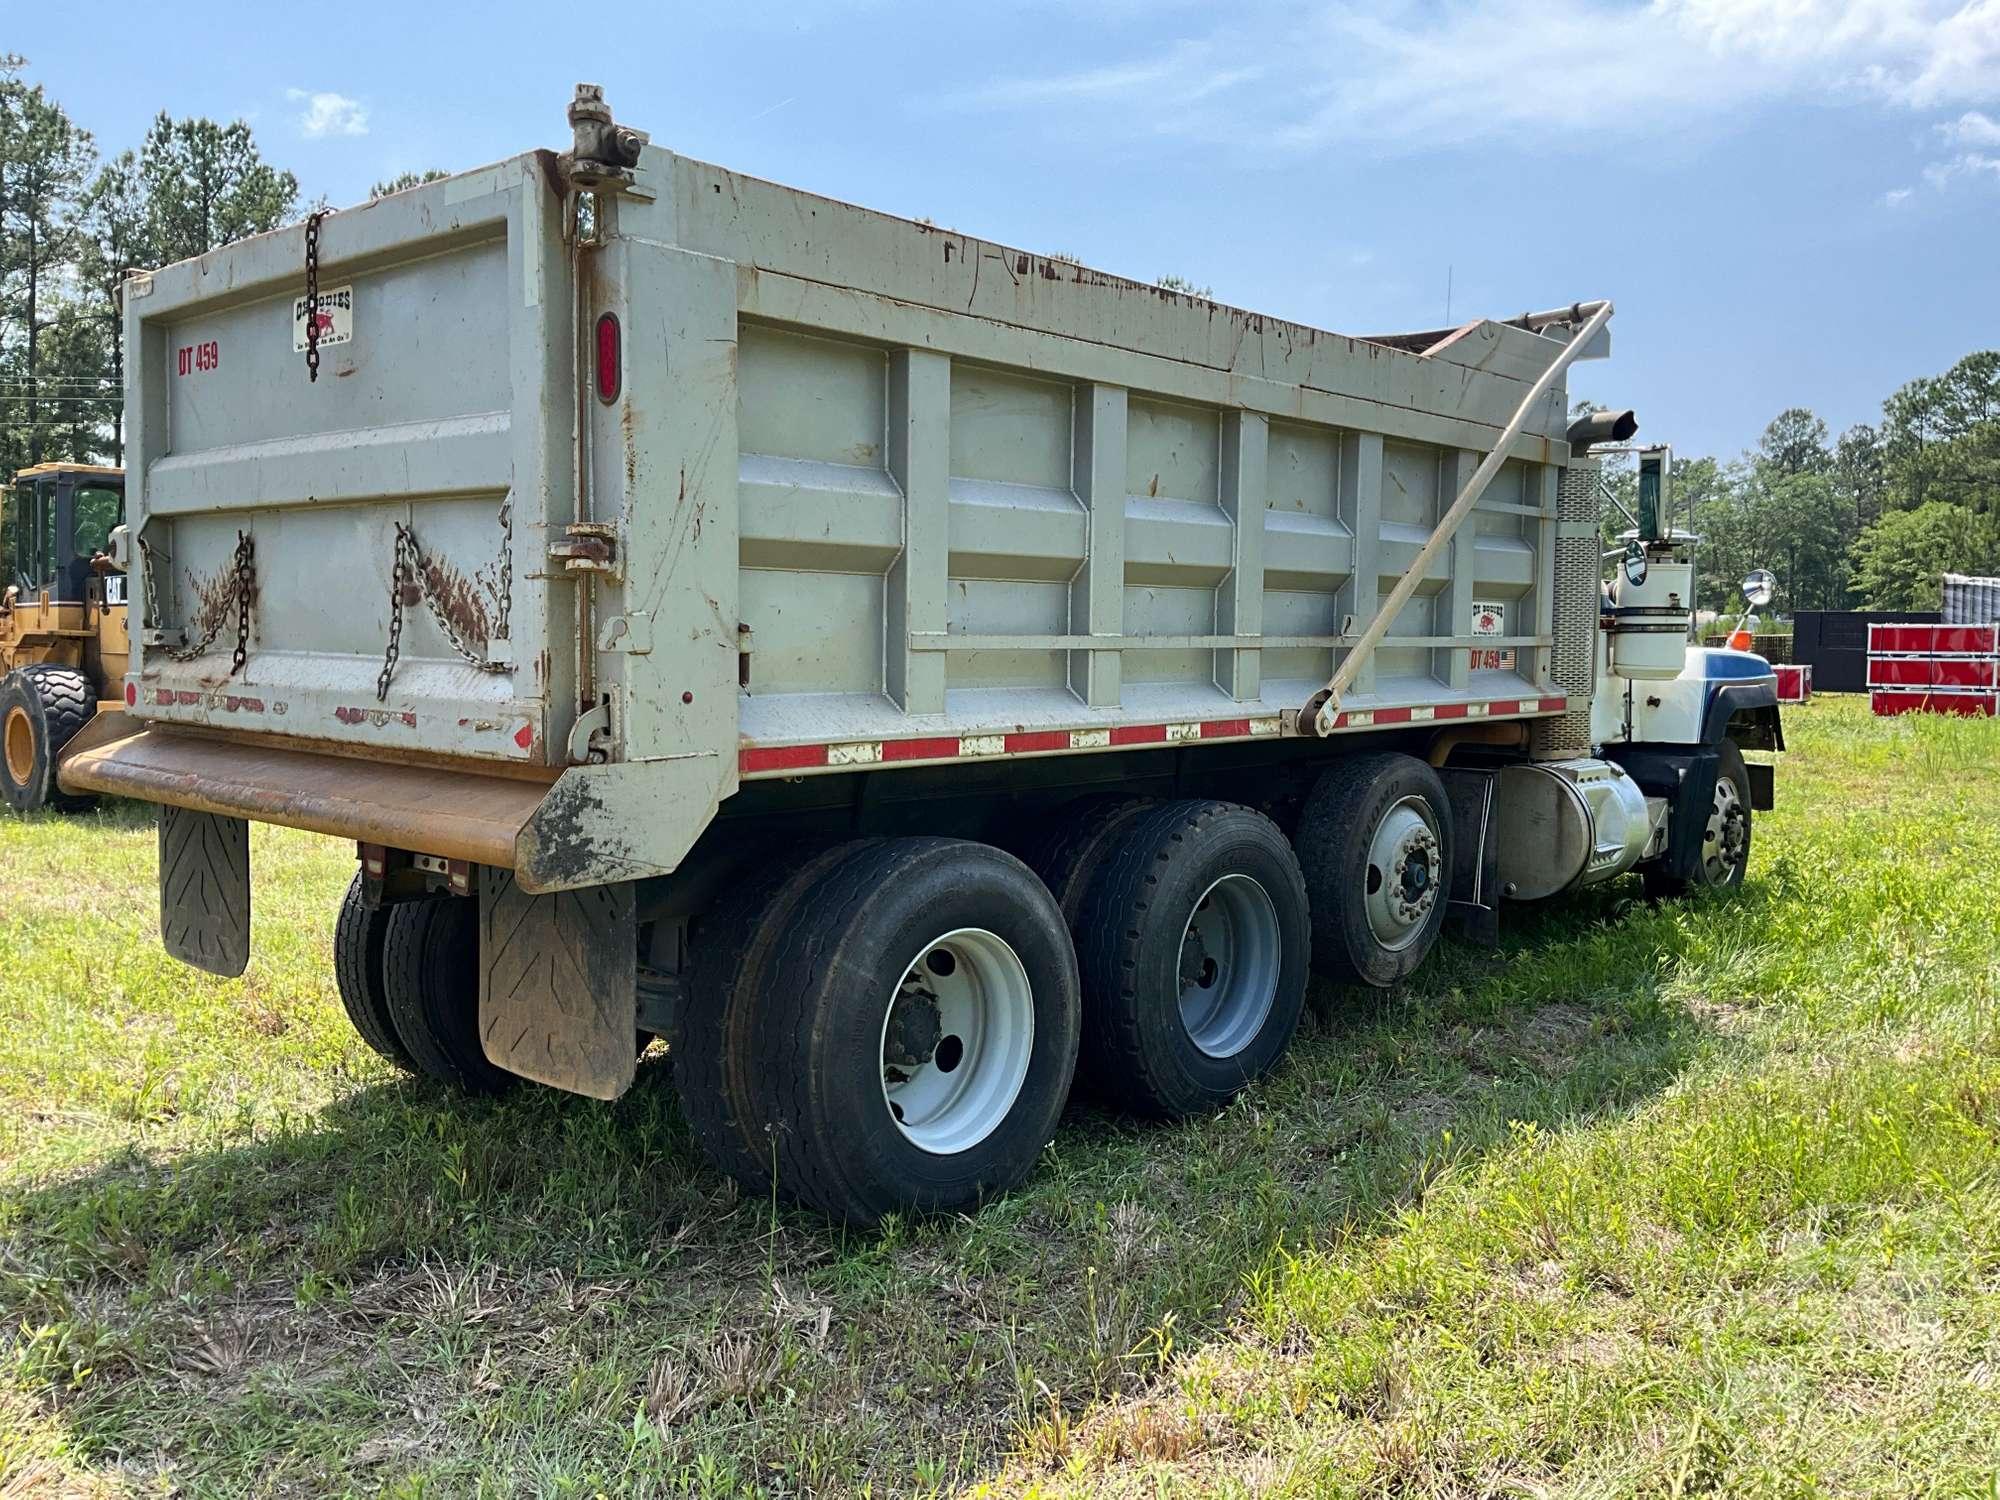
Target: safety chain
242 589
406 582
312 292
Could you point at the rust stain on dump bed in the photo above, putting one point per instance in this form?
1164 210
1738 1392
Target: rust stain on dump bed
459 599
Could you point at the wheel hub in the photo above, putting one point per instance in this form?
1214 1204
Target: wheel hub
1231 955
957 1037
915 1028
20 745
1403 873
1726 840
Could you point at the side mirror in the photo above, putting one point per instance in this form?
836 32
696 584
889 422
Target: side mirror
1635 565
1760 587
119 548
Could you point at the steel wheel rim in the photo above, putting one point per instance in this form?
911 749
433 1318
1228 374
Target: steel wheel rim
20 745
1403 873
958 1033
1725 842
1230 958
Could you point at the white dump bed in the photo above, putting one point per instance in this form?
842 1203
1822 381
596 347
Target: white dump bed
732 481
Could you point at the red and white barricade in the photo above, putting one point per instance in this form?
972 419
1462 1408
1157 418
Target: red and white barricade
1794 682
1936 669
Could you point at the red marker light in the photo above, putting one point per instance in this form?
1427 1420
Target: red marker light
607 358
131 695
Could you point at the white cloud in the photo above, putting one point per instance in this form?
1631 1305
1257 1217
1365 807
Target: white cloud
1413 74
1973 166
1897 197
1971 129
329 114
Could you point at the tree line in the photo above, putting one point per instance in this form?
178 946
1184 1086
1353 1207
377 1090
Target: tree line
73 222
1870 519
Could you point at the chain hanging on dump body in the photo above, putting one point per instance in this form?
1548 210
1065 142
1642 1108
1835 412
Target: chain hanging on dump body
406 584
312 291
242 589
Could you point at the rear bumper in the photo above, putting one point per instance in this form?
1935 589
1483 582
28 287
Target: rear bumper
457 814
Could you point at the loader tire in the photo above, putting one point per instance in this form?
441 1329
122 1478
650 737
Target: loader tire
1193 948
358 936
1374 841
430 979
915 1031
41 709
711 1049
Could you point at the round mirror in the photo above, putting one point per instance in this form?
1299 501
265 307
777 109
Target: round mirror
1635 565
1759 587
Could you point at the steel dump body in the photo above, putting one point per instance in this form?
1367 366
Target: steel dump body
861 492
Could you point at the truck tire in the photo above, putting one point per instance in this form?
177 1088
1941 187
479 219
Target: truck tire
1725 847
711 1052
41 709
1073 843
430 980
358 935
1194 947
915 1030
1375 843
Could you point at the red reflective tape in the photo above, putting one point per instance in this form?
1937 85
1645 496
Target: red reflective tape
1554 705
1038 739
1222 729
939 747
780 757
1449 711
1392 716
1139 734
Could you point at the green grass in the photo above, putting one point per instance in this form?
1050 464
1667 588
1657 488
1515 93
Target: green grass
1677 1200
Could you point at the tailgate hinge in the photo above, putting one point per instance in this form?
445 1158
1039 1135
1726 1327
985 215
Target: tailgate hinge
587 547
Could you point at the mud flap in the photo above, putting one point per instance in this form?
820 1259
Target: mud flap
205 889
559 983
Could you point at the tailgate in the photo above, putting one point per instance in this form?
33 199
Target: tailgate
391 512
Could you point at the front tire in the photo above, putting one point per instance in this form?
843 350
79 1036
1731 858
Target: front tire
41 709
1375 843
915 1030
1725 846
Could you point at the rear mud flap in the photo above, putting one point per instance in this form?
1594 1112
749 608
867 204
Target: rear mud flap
205 890
559 983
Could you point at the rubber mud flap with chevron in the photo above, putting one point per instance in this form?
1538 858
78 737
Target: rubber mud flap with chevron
205 889
559 983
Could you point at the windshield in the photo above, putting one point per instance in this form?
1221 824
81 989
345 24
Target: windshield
98 509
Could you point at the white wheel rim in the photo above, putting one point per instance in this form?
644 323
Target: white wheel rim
1229 962
1403 874
958 1032
1725 840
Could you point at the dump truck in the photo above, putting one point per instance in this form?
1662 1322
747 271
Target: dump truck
906 673
63 644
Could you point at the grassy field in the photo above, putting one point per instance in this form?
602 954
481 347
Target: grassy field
1673 1201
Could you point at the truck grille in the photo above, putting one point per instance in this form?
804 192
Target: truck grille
1573 661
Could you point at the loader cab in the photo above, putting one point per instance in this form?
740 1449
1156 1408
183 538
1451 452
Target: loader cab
60 516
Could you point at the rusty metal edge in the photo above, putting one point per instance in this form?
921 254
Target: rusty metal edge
456 814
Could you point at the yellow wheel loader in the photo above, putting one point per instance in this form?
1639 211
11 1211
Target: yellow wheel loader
63 644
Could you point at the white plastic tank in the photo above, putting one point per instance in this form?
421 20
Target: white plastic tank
1649 621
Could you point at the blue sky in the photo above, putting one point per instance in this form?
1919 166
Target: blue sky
1792 202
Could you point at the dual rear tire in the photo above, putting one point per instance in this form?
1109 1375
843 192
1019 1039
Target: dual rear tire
408 977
